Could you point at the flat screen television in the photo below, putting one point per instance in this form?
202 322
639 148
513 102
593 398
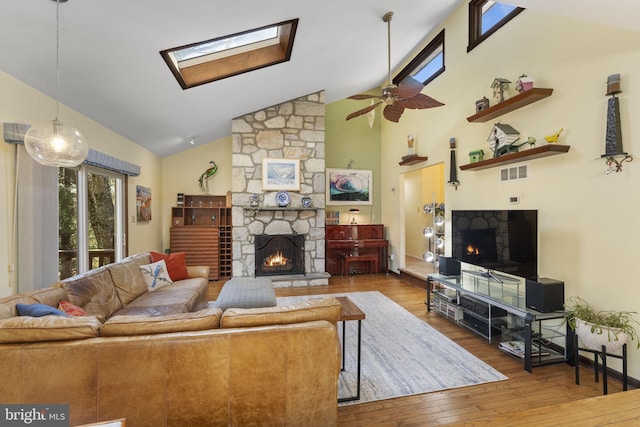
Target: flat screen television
497 240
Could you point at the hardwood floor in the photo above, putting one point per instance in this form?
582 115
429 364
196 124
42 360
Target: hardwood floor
553 384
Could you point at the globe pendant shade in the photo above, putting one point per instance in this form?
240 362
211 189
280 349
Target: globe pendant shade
56 144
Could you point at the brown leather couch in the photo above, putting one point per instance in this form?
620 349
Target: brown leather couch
272 366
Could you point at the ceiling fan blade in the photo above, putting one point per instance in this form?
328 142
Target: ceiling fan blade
408 88
393 112
362 96
363 111
419 102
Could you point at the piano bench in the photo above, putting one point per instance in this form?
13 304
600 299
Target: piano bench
345 260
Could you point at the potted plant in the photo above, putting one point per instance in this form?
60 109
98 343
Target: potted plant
595 328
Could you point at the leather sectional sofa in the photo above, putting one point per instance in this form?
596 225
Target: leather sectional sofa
168 357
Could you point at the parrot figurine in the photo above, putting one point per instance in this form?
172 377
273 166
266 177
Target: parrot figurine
207 174
553 138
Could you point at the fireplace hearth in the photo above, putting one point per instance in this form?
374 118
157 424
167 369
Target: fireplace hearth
281 254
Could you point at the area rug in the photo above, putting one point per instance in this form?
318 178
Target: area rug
401 354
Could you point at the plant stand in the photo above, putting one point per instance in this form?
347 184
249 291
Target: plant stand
602 354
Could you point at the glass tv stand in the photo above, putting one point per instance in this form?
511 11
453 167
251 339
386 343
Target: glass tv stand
496 308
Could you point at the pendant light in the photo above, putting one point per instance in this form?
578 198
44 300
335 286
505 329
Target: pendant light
54 143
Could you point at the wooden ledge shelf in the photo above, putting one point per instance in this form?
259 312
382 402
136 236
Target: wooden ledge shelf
521 156
248 210
413 160
525 98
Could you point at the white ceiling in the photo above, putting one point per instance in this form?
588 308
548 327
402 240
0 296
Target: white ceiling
111 70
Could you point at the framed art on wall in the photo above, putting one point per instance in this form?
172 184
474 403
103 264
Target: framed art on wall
349 187
281 174
143 203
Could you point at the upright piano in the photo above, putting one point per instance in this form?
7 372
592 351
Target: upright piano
355 239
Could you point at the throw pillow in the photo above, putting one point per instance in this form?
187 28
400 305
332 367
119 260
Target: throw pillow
72 309
156 275
176 264
38 310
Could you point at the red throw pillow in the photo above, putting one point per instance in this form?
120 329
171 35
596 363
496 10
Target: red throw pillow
176 264
72 309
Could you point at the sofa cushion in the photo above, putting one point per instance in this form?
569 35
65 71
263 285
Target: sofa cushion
38 310
94 291
156 275
327 308
51 295
181 297
48 328
128 279
208 318
176 264
8 304
72 309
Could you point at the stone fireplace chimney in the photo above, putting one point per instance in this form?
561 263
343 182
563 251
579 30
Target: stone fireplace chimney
291 130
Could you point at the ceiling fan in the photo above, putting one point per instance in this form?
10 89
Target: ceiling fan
396 97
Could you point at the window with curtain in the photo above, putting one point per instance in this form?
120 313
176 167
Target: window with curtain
67 221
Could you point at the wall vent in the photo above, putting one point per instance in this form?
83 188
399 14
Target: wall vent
514 173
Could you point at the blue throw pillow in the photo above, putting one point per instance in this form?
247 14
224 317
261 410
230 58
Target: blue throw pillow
38 310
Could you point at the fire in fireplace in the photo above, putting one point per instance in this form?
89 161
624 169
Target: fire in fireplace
279 254
480 246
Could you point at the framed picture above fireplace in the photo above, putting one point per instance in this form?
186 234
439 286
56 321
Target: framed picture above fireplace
281 174
349 187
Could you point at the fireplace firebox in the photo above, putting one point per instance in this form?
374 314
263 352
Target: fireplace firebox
280 254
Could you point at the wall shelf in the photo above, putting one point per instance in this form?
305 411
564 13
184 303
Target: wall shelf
201 228
521 156
412 160
525 98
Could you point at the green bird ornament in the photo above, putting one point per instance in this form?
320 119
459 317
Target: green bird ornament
207 174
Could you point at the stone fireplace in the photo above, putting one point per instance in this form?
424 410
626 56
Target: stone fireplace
279 254
291 130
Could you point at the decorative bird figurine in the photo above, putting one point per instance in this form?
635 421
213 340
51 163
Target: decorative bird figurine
207 174
553 138
531 141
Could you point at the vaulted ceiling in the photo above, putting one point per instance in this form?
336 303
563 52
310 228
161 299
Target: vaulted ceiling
111 70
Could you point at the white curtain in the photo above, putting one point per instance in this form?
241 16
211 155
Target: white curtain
37 224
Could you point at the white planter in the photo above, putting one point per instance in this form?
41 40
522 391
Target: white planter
612 338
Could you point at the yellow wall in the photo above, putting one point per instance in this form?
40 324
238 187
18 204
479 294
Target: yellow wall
588 226
22 104
180 173
420 186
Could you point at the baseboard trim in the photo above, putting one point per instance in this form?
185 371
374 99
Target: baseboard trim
412 278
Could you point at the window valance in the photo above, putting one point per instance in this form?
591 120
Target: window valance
14 134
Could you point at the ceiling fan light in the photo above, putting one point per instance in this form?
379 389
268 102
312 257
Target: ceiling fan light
56 144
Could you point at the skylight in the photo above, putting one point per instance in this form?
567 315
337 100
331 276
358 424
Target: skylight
227 56
492 13
486 17
427 65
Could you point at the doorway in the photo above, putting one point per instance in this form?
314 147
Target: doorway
420 187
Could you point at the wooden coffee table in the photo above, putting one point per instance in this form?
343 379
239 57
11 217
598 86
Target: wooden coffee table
350 311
